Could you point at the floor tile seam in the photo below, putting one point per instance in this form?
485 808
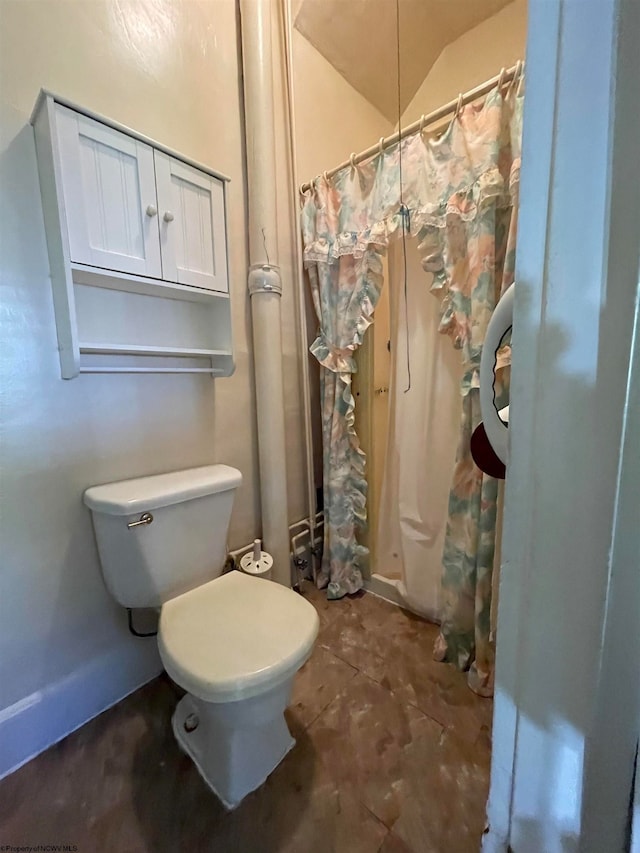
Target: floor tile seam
451 728
349 663
323 630
326 708
390 832
379 820
307 726
403 703
342 660
392 650
446 728
384 840
443 726
389 689
370 811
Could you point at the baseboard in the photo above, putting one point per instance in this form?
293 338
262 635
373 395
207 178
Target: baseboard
384 588
38 721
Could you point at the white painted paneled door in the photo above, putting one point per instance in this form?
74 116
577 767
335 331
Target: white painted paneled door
109 191
191 216
567 700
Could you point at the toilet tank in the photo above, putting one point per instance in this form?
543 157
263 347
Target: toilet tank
184 545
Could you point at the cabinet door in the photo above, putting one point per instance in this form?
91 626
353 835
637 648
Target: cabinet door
192 225
109 190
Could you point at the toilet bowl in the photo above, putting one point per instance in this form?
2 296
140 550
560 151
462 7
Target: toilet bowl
235 645
233 642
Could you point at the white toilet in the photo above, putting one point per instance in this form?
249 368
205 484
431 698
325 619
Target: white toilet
233 642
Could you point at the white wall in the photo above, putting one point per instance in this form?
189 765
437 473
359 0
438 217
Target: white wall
170 70
471 59
332 118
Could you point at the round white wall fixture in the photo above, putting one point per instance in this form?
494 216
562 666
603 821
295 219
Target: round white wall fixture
501 321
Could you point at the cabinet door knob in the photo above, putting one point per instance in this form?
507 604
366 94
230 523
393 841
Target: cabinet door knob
151 210
168 216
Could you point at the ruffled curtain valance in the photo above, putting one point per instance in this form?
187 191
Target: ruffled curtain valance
451 186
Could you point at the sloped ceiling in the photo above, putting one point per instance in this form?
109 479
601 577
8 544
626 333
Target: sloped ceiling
359 38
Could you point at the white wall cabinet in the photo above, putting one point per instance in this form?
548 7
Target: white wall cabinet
137 243
109 188
192 234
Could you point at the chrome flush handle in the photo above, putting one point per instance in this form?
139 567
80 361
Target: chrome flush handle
145 518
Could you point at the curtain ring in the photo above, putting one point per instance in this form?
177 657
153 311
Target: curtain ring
458 106
501 77
516 75
302 189
325 175
352 160
423 118
381 146
520 81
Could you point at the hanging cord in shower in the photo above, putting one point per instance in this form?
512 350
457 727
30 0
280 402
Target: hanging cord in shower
405 216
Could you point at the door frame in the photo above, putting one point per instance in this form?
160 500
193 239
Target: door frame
567 702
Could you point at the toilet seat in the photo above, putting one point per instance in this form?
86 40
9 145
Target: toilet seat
235 637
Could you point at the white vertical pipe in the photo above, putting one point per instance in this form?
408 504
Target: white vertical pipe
264 279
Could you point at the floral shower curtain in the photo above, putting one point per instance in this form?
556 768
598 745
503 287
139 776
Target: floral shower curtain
473 256
345 291
460 192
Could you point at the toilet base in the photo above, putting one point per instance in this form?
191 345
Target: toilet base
235 745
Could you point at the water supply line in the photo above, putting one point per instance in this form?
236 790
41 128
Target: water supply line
265 286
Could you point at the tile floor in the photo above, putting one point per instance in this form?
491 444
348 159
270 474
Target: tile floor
392 756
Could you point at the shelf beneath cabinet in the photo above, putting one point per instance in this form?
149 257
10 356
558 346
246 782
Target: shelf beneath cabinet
119 329
114 280
114 358
212 371
139 349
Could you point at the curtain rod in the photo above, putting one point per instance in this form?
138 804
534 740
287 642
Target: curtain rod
507 75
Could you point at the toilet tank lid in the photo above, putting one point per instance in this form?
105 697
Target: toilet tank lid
128 497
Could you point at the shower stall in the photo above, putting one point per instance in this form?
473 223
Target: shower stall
411 442
453 193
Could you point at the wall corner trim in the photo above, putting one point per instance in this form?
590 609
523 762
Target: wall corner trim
42 719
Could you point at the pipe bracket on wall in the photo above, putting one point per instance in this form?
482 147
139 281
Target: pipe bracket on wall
264 278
